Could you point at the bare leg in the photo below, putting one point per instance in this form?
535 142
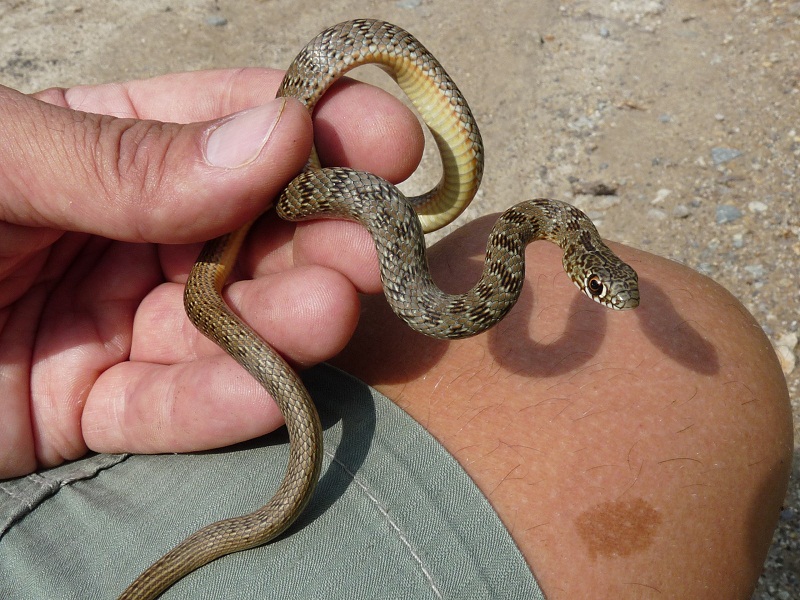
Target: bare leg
639 454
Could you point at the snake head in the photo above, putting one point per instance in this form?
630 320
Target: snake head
604 278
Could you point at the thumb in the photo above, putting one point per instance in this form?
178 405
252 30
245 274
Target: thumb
136 180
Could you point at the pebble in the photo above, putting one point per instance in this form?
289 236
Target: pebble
722 155
656 214
755 271
660 195
706 268
408 3
680 211
583 124
757 206
598 203
216 21
604 32
727 213
594 188
784 348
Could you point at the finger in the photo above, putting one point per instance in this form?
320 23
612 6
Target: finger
322 302
275 246
155 403
355 124
84 329
365 128
203 404
144 180
175 97
17 332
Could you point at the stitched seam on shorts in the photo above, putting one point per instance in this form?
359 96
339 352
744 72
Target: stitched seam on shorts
392 523
23 495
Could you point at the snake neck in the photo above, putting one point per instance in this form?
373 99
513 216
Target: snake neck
407 282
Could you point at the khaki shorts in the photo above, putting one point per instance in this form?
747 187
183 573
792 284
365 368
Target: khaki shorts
394 517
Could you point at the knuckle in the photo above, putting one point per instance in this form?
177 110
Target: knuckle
131 160
140 153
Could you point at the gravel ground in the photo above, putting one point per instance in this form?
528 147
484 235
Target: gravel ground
675 125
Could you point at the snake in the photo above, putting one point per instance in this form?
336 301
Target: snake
397 225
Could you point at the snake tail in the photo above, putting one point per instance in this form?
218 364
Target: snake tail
406 278
211 315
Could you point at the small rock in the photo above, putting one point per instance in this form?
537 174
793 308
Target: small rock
719 117
595 203
408 3
582 124
604 32
660 195
656 214
755 271
757 206
727 213
665 118
789 340
722 155
737 240
786 358
594 188
706 268
216 21
681 211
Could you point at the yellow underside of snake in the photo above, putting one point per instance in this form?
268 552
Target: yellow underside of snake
397 225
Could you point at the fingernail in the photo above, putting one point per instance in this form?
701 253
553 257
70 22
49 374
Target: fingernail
240 139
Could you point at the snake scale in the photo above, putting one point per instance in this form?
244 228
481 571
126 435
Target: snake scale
397 225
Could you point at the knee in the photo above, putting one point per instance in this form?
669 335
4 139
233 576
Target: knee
624 451
684 416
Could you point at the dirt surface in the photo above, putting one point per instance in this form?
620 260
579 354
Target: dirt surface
675 125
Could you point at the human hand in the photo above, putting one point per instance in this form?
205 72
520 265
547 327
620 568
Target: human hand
101 220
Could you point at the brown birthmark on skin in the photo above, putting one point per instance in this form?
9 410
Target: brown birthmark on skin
618 528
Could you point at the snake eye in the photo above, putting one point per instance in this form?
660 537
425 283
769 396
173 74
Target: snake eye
596 287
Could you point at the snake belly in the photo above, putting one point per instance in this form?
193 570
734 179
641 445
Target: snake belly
397 225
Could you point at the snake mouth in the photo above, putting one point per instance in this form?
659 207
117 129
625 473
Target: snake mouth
628 303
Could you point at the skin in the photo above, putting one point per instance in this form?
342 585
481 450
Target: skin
637 454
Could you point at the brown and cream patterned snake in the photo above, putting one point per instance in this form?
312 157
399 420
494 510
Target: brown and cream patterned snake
397 229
